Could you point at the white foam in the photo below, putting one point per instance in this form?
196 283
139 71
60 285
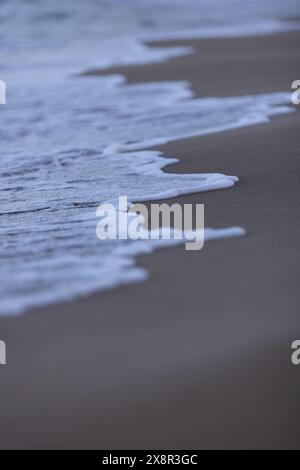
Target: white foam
70 143
44 36
49 248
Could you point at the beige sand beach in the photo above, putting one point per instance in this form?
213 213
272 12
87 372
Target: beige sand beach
199 356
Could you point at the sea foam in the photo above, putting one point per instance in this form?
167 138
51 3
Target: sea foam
59 165
70 143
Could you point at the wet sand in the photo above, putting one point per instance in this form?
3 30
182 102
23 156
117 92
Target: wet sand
226 67
199 356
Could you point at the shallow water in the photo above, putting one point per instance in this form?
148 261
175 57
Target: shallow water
70 143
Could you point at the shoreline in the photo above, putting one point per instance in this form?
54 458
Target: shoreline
82 374
224 67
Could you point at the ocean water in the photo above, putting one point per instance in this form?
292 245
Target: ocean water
70 143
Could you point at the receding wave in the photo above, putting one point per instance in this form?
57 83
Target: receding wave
70 143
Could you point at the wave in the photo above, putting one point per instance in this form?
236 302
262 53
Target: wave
70 143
